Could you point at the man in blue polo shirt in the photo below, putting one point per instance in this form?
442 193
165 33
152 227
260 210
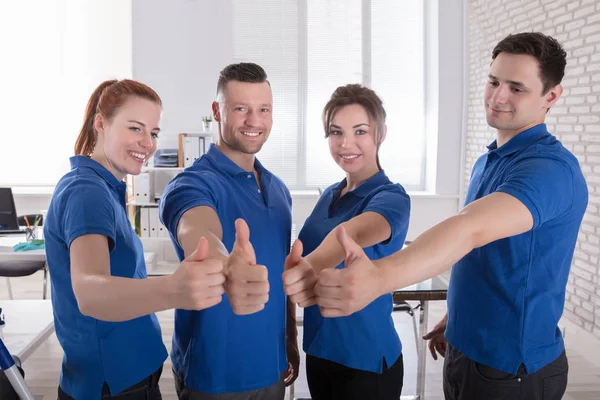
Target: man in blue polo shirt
511 246
237 349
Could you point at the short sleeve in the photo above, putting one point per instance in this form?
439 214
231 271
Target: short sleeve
187 190
543 185
393 204
88 208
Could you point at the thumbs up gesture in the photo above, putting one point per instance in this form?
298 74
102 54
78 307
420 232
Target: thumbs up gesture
341 292
247 283
198 283
299 277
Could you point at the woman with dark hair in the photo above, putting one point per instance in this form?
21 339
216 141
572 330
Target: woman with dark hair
359 356
103 304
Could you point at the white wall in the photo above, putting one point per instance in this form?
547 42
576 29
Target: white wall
180 46
575 119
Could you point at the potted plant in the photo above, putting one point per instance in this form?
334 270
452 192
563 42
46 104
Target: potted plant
207 123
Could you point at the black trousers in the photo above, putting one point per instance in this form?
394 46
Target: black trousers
465 379
328 380
147 389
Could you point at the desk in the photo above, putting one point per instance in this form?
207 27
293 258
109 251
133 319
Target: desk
28 324
8 254
432 289
6 250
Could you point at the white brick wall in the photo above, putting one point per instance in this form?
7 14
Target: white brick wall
575 119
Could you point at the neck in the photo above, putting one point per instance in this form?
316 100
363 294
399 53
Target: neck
503 136
356 179
102 160
242 160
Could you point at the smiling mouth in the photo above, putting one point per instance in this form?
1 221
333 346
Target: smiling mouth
350 156
140 157
251 134
497 111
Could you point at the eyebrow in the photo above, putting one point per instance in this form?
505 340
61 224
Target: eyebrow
355 126
142 124
516 83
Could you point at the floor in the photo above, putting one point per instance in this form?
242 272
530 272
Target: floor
43 367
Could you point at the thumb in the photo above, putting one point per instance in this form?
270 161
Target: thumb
351 248
295 255
434 332
201 251
242 241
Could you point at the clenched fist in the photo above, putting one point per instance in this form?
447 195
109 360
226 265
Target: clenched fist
247 283
198 283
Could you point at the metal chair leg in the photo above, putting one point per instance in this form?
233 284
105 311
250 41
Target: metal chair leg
10 293
414 319
45 289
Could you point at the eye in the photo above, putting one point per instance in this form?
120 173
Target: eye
240 109
134 129
516 89
335 133
360 132
154 135
265 110
493 83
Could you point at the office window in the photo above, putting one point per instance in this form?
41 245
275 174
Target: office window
55 52
309 48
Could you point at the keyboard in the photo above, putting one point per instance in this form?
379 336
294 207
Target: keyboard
12 231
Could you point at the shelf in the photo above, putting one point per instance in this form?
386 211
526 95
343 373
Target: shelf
156 238
177 169
163 268
141 204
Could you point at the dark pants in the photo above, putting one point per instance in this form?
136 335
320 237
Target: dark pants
465 379
328 380
273 392
146 389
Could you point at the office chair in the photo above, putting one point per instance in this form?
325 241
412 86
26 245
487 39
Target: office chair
404 306
20 268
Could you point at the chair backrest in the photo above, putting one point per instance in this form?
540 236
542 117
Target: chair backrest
31 218
8 213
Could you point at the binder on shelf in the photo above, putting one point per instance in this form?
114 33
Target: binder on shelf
193 146
153 219
144 221
143 188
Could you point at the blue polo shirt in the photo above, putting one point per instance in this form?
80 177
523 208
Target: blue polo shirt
214 350
366 338
505 298
90 200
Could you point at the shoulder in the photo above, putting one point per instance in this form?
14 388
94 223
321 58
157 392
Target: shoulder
77 186
391 191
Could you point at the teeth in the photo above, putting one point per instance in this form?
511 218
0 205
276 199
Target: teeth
138 155
253 134
350 157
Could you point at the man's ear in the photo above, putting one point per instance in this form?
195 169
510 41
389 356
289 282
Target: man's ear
216 112
552 96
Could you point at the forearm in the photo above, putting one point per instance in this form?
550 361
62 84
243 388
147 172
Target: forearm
367 232
116 299
290 323
430 254
329 254
189 239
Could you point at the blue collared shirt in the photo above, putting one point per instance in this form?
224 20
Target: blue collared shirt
214 350
505 298
90 200
363 340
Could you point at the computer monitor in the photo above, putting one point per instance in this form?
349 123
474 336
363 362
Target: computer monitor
8 212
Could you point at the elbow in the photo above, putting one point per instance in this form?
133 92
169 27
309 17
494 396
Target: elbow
84 302
469 231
